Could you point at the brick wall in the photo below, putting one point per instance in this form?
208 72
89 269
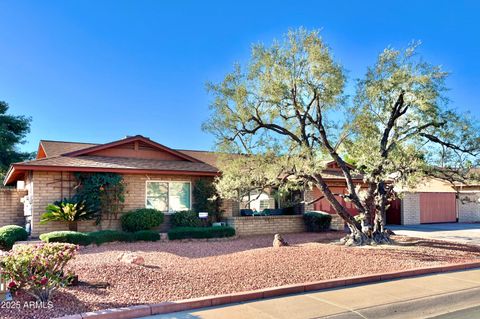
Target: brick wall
11 209
308 196
257 225
47 187
230 207
469 207
410 209
337 222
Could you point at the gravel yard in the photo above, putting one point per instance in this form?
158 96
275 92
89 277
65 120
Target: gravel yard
178 270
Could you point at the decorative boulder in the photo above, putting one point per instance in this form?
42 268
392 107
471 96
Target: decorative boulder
131 258
278 241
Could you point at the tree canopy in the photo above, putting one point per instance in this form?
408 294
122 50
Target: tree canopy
13 130
288 113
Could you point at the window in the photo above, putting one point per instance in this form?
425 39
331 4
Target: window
168 196
264 204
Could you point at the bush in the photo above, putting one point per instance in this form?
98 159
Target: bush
186 218
38 269
146 235
71 237
317 222
141 219
201 232
67 210
98 237
106 236
273 211
10 234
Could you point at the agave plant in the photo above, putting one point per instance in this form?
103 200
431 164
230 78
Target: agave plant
69 211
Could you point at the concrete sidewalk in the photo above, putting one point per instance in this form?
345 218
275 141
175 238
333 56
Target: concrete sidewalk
418 297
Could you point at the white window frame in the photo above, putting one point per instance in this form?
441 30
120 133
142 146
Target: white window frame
168 212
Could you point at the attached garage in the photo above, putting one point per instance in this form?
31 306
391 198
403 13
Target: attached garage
438 208
431 201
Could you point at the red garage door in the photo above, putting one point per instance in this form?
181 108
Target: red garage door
438 208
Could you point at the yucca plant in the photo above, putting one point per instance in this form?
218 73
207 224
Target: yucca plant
68 210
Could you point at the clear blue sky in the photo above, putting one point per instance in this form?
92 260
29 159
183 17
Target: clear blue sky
96 71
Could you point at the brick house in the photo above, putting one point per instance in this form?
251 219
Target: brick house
155 175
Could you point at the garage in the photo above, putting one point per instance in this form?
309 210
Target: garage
438 208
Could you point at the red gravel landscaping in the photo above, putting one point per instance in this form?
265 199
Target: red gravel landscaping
179 270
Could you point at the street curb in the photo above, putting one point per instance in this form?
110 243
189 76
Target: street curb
209 301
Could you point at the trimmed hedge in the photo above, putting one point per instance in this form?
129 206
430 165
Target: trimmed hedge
201 232
11 234
317 222
106 236
98 237
185 218
141 219
146 235
67 236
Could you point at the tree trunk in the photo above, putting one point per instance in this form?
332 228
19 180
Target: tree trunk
361 233
356 236
380 234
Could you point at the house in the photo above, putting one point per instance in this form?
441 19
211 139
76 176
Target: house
434 200
160 177
155 175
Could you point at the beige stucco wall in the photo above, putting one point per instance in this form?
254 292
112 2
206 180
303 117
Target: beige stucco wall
428 185
47 187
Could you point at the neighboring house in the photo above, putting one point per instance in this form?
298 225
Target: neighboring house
437 201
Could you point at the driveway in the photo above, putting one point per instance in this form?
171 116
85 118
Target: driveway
455 232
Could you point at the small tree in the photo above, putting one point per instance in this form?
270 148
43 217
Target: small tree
286 112
204 194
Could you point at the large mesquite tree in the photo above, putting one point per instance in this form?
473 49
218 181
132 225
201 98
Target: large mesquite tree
287 112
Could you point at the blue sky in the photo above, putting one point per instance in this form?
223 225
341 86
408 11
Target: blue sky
96 71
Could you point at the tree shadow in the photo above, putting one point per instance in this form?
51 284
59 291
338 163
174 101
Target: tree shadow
438 244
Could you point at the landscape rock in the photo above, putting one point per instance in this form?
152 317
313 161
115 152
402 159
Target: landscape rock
131 258
278 241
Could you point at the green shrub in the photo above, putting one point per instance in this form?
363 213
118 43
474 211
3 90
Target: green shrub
186 218
71 237
141 219
106 236
146 235
201 232
317 222
38 269
67 210
10 234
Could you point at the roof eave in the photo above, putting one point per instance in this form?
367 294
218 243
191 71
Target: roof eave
103 170
9 175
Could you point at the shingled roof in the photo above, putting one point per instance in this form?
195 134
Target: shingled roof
56 148
74 156
66 156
